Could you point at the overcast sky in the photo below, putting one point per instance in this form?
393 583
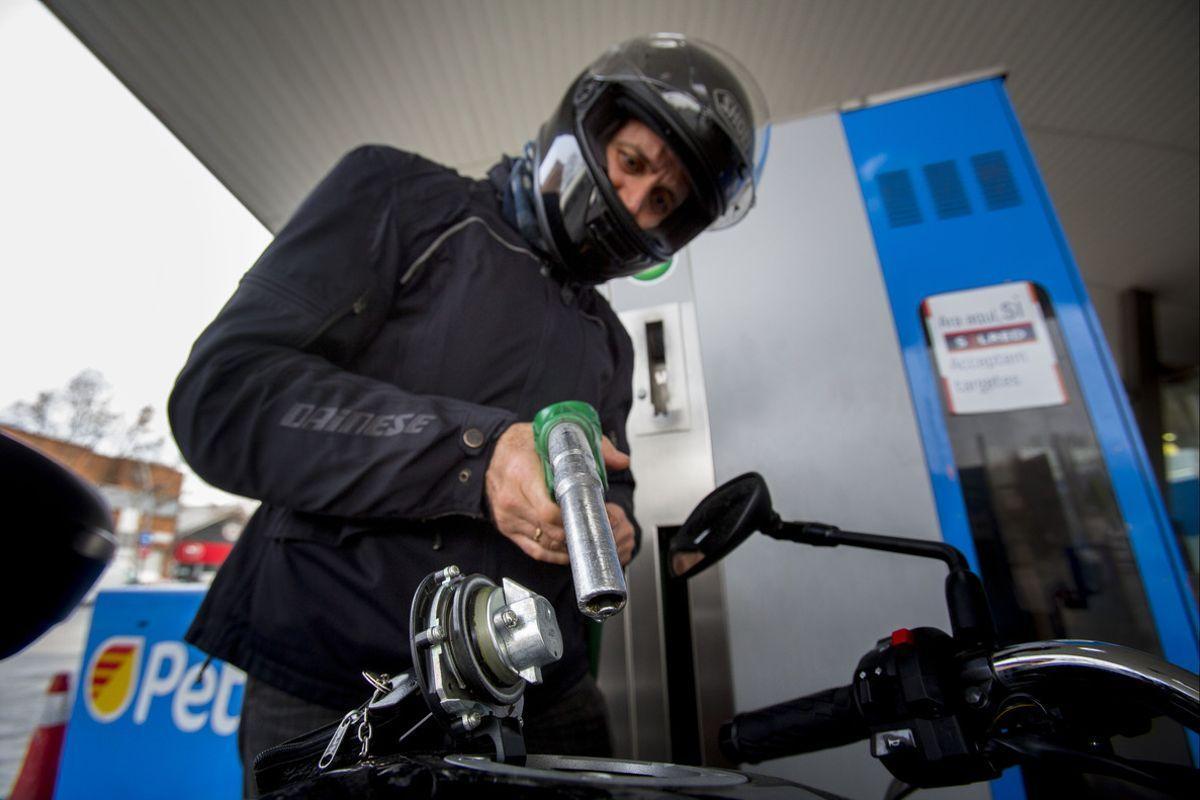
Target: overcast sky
116 245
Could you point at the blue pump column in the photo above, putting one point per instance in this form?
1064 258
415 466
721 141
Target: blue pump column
955 202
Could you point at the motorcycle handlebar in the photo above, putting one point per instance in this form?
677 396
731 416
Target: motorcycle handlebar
814 722
1159 685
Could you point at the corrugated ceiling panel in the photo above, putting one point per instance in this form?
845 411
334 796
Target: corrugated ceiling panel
268 94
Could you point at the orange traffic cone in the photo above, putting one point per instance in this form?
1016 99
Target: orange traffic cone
40 769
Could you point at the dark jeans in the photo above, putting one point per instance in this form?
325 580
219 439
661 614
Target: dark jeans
270 717
574 724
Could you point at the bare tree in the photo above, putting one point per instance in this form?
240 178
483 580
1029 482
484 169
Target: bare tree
81 413
35 417
135 440
89 420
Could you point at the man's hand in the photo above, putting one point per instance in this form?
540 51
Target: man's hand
622 530
516 492
522 509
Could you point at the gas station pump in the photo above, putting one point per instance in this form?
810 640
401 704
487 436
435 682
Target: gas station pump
897 339
900 338
1012 379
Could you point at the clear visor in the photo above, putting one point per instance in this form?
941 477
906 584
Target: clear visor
682 72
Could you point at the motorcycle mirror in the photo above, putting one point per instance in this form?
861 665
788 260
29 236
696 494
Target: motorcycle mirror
721 522
62 531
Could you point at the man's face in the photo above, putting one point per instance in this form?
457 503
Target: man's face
647 176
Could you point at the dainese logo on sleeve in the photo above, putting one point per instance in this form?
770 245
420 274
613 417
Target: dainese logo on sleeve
111 676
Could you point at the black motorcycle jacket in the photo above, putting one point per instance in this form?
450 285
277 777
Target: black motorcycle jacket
356 383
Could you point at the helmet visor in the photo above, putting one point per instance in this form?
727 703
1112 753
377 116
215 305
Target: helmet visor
717 108
649 185
590 230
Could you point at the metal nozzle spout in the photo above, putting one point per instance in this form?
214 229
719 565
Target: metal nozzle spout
604 606
599 581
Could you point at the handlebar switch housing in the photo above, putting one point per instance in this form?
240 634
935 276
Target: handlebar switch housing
911 695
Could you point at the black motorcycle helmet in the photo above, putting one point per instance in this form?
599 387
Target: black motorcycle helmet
700 101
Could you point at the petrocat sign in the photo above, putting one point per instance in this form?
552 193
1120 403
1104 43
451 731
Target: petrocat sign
109 678
149 719
197 698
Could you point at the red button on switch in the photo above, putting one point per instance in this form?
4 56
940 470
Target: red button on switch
901 636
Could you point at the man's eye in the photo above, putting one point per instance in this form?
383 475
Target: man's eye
632 164
663 201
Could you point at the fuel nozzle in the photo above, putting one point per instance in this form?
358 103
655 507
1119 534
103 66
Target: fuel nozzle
567 436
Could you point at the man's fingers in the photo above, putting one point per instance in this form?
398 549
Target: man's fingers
520 505
537 551
548 536
613 458
511 522
546 515
623 532
544 509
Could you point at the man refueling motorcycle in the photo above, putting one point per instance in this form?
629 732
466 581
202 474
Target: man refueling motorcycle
375 377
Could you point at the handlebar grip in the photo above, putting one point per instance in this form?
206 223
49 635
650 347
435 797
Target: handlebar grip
814 722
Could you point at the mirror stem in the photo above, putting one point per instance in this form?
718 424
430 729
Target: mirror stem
966 602
822 535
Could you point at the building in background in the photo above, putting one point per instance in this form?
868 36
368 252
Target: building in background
1181 460
206 535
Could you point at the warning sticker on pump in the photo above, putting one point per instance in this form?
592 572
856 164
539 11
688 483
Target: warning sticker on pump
993 349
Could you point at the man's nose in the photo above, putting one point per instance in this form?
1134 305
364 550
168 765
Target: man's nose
633 192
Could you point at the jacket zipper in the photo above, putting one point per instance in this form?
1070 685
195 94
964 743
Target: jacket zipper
335 743
357 307
270 754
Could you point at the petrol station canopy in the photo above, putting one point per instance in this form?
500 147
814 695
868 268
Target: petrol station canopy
269 94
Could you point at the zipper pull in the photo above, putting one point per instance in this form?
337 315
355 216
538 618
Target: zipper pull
336 742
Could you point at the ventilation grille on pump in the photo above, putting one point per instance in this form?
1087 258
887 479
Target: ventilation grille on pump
945 184
996 180
899 199
949 196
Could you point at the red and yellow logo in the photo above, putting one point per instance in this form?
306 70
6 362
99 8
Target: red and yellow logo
111 676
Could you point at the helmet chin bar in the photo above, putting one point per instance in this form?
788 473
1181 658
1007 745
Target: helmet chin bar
581 226
475 647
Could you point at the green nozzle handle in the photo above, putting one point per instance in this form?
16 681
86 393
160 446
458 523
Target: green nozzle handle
583 415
